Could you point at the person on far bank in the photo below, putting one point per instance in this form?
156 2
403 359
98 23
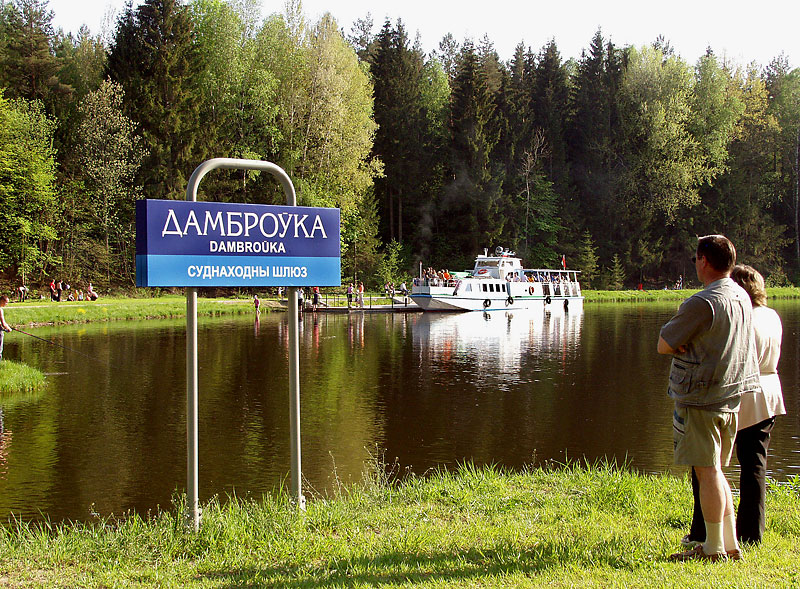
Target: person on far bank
756 419
714 363
4 327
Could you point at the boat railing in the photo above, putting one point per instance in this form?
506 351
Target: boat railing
435 282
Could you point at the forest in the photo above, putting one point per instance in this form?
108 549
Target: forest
615 159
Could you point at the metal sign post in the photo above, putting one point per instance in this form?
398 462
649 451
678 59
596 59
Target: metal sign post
193 515
192 244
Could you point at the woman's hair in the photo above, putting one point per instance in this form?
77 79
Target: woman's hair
752 282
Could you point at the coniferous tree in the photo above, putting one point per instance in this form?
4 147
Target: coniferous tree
30 67
156 61
589 135
586 260
408 113
549 100
472 200
447 55
783 85
616 274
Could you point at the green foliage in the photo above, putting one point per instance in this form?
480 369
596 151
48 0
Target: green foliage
156 61
393 268
111 154
586 260
29 67
360 244
27 187
616 274
446 154
663 163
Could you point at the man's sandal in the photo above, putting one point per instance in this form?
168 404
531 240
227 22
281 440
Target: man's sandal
697 553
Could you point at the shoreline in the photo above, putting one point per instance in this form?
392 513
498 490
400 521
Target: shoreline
39 313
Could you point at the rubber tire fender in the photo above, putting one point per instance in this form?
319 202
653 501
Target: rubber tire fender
509 301
547 300
487 303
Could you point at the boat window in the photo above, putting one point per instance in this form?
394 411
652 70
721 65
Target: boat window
469 288
488 264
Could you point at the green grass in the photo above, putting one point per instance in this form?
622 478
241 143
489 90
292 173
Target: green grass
563 526
18 380
33 313
615 296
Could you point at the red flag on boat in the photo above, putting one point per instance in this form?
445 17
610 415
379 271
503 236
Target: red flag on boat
563 261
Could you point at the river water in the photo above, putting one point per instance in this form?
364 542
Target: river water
419 391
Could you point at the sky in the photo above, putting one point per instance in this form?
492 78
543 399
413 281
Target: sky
743 32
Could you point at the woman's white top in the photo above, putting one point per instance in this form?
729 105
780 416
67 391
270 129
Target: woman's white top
756 407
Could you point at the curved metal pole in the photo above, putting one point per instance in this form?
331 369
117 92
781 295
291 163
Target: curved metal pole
193 515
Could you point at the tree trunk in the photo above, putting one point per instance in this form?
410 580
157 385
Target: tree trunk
797 198
400 219
390 194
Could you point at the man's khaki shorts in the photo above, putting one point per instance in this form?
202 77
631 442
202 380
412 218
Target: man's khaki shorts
703 438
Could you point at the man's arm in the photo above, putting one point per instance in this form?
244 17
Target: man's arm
665 348
694 316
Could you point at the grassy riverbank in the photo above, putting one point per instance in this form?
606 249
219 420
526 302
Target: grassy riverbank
34 313
635 296
44 312
16 378
565 526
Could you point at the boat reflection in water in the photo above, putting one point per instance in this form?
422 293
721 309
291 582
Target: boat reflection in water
499 342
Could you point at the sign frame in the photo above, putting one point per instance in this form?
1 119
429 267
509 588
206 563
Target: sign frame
190 243
192 446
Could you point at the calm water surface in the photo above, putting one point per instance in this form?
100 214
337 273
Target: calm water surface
423 391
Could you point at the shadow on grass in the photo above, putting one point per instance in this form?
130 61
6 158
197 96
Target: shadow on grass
459 565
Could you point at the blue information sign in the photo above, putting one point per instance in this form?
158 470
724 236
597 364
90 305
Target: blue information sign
187 243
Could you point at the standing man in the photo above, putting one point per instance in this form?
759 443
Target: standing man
714 362
4 327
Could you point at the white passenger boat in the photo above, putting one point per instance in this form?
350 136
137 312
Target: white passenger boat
499 282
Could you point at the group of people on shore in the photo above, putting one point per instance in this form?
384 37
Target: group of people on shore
725 344
61 290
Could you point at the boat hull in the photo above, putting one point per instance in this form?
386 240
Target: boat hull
444 299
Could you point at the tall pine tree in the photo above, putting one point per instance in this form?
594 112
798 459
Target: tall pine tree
155 59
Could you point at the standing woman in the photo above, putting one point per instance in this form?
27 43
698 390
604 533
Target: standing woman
758 410
756 418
